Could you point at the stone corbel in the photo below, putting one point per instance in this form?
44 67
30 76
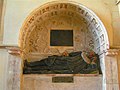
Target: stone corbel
14 50
112 52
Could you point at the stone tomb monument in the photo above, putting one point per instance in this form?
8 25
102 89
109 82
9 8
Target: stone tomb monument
63 46
60 41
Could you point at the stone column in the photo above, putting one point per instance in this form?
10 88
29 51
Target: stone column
14 70
111 70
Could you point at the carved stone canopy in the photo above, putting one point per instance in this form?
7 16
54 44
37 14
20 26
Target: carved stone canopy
89 32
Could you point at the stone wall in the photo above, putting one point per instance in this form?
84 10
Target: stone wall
3 68
10 69
44 82
104 8
25 8
1 30
14 71
119 67
116 23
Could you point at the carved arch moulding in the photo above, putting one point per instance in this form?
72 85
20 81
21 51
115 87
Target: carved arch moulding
89 31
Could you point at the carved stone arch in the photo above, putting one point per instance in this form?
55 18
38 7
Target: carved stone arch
69 15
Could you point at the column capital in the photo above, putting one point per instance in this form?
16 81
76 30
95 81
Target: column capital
13 50
112 52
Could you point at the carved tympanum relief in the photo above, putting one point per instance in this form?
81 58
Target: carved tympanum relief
87 30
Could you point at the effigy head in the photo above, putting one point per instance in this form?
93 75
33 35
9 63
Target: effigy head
91 53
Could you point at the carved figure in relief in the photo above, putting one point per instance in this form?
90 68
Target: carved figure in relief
67 63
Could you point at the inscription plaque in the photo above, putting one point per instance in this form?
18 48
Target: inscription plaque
63 79
61 38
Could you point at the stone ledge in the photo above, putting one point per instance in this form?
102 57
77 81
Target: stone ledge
4 46
80 75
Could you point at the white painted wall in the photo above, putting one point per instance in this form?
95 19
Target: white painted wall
1 33
17 11
119 8
3 68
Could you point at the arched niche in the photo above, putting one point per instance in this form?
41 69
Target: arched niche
88 29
